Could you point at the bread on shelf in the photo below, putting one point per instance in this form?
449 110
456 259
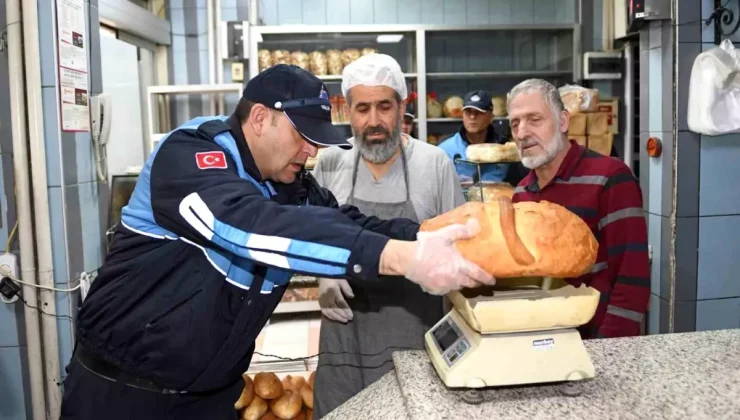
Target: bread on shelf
601 143
597 123
577 124
578 99
493 152
524 239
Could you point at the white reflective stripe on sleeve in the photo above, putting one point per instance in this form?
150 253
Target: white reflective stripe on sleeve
268 243
195 211
269 258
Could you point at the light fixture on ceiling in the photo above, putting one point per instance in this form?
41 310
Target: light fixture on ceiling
389 38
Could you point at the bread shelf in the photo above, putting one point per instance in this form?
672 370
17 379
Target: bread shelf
338 77
497 74
497 55
457 120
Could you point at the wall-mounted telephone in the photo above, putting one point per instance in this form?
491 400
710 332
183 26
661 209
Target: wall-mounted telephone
100 114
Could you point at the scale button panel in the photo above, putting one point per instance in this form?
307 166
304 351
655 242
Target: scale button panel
454 353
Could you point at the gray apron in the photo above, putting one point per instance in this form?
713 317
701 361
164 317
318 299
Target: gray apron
389 315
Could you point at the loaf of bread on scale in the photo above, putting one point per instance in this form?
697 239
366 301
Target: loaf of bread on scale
526 239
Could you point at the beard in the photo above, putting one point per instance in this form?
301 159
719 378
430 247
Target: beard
553 147
378 151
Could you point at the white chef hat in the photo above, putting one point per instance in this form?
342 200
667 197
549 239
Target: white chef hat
374 70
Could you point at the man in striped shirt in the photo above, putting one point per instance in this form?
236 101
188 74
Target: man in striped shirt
601 190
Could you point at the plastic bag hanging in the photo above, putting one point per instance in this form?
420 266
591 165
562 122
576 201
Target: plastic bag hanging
714 91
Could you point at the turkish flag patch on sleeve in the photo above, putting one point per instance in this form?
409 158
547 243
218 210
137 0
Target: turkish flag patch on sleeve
211 160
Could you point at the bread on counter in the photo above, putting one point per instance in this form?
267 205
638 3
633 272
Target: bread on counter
287 405
271 398
524 239
256 409
267 385
492 152
247 393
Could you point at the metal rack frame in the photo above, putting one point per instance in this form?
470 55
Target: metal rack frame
257 33
212 90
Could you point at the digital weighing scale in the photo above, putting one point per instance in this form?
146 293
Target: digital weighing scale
513 335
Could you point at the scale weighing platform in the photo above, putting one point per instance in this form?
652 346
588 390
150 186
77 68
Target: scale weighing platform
513 335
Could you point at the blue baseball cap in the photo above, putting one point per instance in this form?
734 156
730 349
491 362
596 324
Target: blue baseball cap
302 97
479 100
409 112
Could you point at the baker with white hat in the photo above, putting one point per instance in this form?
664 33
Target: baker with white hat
389 175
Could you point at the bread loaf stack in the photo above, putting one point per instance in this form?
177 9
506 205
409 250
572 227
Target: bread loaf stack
267 397
588 125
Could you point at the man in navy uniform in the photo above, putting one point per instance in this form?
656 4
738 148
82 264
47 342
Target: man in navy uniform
477 129
222 216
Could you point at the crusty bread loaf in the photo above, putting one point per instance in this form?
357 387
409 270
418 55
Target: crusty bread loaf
489 192
523 239
492 153
267 385
288 405
247 393
312 378
309 414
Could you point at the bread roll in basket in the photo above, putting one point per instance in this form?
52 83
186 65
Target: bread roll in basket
524 239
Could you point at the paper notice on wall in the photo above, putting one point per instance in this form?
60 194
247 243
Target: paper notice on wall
72 34
73 76
75 108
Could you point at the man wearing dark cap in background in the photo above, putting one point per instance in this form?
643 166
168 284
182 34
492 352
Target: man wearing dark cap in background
407 124
216 227
477 129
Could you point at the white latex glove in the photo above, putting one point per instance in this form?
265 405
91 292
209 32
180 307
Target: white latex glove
332 301
439 268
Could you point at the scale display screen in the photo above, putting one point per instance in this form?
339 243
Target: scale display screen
445 336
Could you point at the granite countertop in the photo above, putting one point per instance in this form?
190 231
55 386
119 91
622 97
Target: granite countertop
667 376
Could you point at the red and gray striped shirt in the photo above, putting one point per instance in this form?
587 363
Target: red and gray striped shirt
604 192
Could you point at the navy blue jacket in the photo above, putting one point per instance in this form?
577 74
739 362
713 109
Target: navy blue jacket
204 253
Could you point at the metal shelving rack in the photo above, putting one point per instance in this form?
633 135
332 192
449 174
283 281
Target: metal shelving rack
153 91
417 61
